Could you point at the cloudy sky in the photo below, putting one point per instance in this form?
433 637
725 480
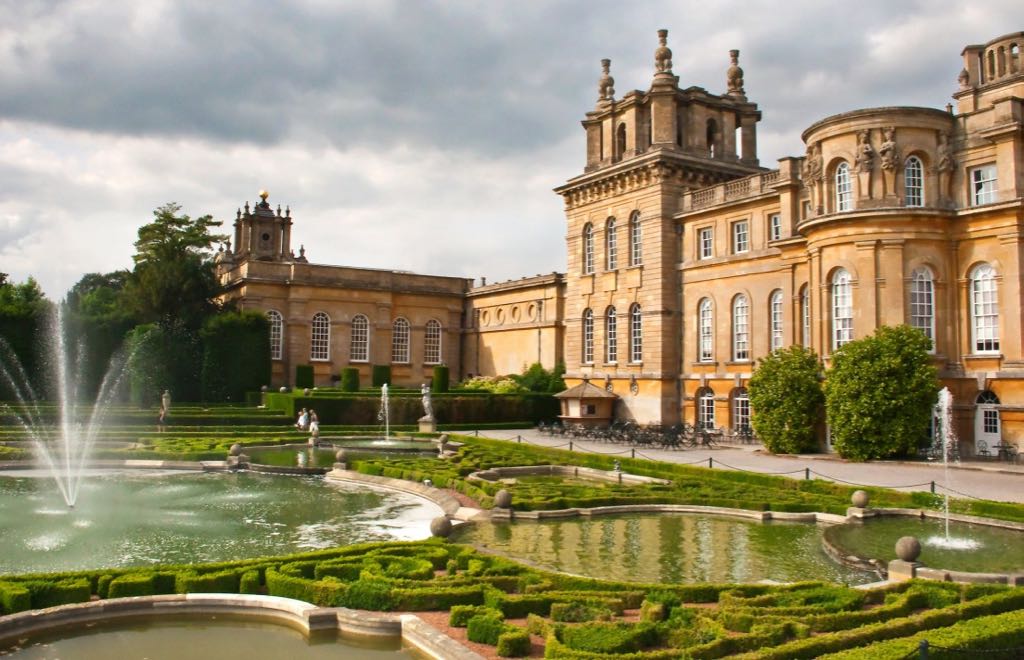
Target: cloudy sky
413 135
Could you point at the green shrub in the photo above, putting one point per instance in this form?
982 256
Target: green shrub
485 628
349 380
218 582
380 375
785 389
61 592
103 585
514 643
438 597
441 379
610 637
459 615
250 583
303 376
132 584
580 611
14 598
370 594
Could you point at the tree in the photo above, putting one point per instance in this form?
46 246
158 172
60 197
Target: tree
98 318
879 394
538 379
174 271
236 355
164 356
24 312
787 399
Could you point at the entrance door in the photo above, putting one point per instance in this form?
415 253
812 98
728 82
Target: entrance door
987 428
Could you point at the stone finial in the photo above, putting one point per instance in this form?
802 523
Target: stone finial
606 84
441 527
238 214
859 499
503 499
279 210
964 79
247 208
236 449
663 55
734 75
341 456
287 211
264 194
908 548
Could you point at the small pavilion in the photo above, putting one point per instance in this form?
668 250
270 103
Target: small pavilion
587 404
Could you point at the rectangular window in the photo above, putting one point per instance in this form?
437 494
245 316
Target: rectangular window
983 185
589 409
740 237
774 227
706 242
990 421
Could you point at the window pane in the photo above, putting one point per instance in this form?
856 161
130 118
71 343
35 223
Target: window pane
432 342
842 309
359 350
611 336
844 188
913 177
320 339
922 303
612 245
776 320
740 329
400 341
276 333
706 330
588 336
636 337
635 241
985 310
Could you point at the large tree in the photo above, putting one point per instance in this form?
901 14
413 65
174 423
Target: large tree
98 317
24 312
174 271
879 394
787 400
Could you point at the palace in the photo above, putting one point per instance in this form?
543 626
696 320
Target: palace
688 260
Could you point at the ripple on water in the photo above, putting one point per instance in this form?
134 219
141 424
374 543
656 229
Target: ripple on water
46 542
53 512
953 543
82 523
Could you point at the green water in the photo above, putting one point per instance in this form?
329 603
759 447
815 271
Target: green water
668 548
130 518
995 550
305 456
200 639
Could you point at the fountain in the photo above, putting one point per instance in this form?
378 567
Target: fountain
64 447
946 442
383 415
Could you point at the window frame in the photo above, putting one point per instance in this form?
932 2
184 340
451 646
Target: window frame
587 335
741 328
588 249
705 408
740 236
611 245
706 330
276 321
986 323
320 338
359 339
636 253
922 303
805 315
705 242
741 409
981 192
841 298
611 336
401 335
432 342
913 182
776 320
774 226
844 188
636 334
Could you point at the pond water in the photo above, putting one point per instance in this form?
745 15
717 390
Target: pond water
130 518
668 548
205 638
306 456
982 549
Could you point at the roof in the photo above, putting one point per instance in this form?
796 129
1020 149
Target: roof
586 390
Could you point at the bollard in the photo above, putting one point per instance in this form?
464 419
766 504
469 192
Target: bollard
922 649
933 486
632 452
476 433
711 462
519 438
570 445
807 474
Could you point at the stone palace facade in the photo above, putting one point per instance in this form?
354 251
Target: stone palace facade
688 260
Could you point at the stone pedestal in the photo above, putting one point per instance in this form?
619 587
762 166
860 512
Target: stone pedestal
900 570
428 424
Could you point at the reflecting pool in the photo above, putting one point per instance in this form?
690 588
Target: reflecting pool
130 518
668 548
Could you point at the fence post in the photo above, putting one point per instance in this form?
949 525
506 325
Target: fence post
570 445
807 473
519 438
933 486
476 433
922 649
711 461
632 452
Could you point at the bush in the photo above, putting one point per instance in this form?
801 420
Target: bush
879 394
381 375
132 584
441 381
610 637
14 598
370 594
787 400
236 354
485 628
514 643
459 615
579 612
349 380
303 376
50 594
250 583
219 582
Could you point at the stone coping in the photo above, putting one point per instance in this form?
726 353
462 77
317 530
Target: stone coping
761 516
296 614
609 476
450 505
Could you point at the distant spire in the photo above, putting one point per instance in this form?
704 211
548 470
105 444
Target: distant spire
734 76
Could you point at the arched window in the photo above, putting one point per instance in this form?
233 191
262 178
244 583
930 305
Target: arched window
359 347
611 244
636 334
740 329
842 308
775 309
320 337
432 342
922 302
984 310
636 253
705 408
913 182
611 345
588 249
400 341
844 189
805 316
588 336
706 328
711 136
276 333
620 140
740 410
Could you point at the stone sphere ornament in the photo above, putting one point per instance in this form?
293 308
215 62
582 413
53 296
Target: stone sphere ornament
283 389
908 548
503 499
236 449
860 499
441 527
340 455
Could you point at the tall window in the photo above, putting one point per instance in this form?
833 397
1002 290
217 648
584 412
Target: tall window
611 244
740 409
636 334
359 348
705 408
983 185
276 333
400 341
774 227
588 336
706 240
588 249
922 303
611 345
740 329
805 315
842 308
432 342
984 309
636 253
913 182
775 309
844 188
740 236
320 337
706 325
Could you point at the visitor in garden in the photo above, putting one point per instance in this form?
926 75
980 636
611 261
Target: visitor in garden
314 422
303 422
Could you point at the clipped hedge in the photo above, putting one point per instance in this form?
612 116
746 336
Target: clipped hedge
485 628
303 376
380 375
349 381
514 643
441 380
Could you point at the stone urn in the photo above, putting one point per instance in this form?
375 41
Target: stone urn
441 527
908 548
503 499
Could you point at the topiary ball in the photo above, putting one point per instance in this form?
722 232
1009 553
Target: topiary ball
236 449
859 498
503 499
441 527
908 548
